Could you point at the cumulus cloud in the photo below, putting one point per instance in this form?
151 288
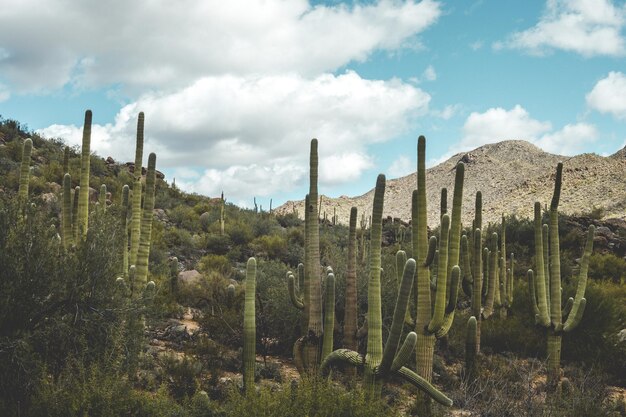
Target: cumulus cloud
609 95
248 129
164 45
586 27
429 73
498 124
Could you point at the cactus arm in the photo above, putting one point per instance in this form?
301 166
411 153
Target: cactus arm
249 327
400 265
402 302
68 238
530 275
448 317
485 259
405 351
75 213
574 318
443 202
421 383
540 283
432 249
546 265
66 160
576 313
510 280
442 294
83 198
455 222
345 356
493 270
329 315
468 279
291 286
27 149
420 241
350 317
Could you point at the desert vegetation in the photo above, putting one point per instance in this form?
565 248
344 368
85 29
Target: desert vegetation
121 295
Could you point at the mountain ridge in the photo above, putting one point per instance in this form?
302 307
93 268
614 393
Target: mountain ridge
511 175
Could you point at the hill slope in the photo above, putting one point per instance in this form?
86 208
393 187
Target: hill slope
512 175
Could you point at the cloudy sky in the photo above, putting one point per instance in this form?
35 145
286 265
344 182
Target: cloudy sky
234 90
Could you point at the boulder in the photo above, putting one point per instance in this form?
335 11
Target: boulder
191 277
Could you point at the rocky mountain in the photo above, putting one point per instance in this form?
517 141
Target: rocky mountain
512 175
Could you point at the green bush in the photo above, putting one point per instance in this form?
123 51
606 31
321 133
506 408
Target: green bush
606 266
309 397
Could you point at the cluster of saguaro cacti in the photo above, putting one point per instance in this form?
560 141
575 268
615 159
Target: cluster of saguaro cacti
249 327
434 322
379 364
545 283
307 296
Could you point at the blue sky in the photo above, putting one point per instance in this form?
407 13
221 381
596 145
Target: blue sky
233 91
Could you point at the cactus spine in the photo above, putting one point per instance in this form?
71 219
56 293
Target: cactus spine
85 162
66 221
27 149
546 299
249 328
146 223
135 224
379 364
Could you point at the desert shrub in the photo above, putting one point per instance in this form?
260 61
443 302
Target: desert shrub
308 397
595 341
218 263
270 246
240 232
185 217
289 220
182 375
216 244
606 266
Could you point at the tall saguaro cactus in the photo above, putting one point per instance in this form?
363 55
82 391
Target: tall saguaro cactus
124 223
249 328
546 291
379 364
25 170
135 212
146 222
350 317
307 348
434 321
85 163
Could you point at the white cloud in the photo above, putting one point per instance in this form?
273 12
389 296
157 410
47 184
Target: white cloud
572 139
4 93
609 95
400 167
91 43
248 129
586 27
447 112
429 73
476 45
498 124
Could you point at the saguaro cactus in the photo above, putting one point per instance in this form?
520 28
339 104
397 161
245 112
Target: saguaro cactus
379 364
249 328
146 222
85 163
329 313
307 348
135 224
434 322
350 317
102 198
27 148
546 294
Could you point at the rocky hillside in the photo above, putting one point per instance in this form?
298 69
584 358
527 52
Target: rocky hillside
512 175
